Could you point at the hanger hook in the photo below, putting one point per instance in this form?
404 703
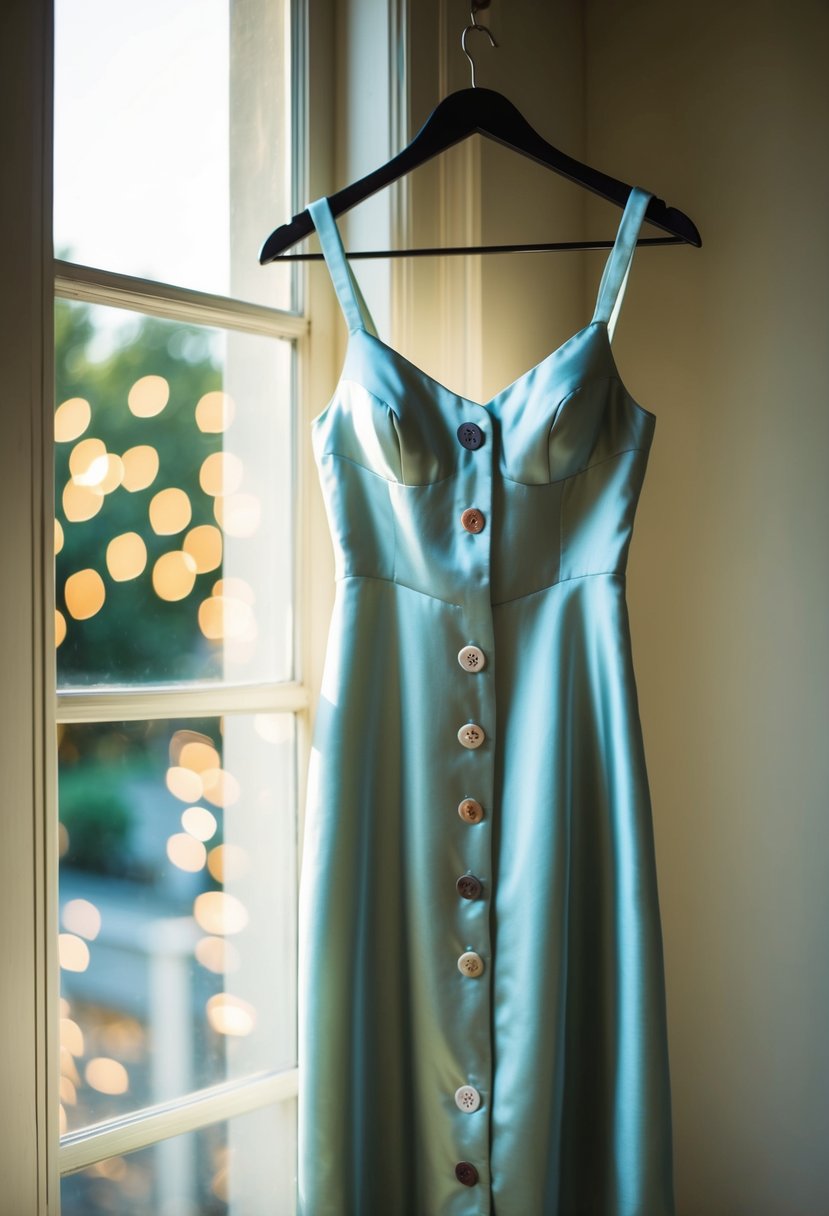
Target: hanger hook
474 25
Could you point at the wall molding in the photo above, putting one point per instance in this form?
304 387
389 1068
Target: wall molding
444 290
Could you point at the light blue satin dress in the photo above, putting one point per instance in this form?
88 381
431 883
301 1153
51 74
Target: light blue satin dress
482 1015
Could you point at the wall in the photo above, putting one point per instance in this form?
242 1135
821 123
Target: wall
723 111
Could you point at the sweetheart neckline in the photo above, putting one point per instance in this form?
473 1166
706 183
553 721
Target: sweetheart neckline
487 406
504 392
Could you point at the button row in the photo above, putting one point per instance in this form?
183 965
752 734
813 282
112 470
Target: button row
471 735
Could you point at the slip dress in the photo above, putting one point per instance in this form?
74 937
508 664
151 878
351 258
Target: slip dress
482 1014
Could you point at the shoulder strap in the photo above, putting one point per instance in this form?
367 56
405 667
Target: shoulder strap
617 268
348 291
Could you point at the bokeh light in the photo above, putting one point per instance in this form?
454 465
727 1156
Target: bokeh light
73 952
140 467
84 593
198 756
72 417
82 917
126 556
113 474
81 502
218 955
204 544
221 473
238 514
106 1075
229 1014
87 462
71 1036
218 912
170 511
199 822
223 617
183 783
220 787
186 852
148 396
215 412
174 575
227 862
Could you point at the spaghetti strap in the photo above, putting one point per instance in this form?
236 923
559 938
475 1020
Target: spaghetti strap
351 299
617 268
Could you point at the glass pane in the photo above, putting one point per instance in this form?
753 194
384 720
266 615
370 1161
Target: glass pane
177 892
172 141
244 1167
173 476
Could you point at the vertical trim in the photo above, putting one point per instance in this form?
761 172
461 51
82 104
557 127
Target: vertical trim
461 223
44 666
400 201
456 281
28 1004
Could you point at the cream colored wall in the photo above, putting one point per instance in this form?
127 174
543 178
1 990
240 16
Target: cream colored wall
723 111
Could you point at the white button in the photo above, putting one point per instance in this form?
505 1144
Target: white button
471 735
471 658
470 963
467 1098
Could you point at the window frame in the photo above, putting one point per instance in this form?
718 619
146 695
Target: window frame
32 1156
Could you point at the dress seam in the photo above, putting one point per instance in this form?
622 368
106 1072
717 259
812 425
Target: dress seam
394 582
578 472
422 485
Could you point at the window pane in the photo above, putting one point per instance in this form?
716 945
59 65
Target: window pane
177 897
245 1167
172 141
173 473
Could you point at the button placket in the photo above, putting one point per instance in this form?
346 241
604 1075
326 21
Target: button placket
474 804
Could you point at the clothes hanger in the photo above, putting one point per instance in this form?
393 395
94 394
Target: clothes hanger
459 115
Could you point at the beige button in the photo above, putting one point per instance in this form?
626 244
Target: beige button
472 519
471 658
467 1098
470 964
470 810
471 735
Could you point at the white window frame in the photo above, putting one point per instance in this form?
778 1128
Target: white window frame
31 1156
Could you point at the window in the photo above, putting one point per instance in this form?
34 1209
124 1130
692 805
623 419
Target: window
180 698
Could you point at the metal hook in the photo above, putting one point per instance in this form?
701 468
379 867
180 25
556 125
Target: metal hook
474 25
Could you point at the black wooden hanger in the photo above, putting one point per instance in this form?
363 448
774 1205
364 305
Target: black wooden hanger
459 115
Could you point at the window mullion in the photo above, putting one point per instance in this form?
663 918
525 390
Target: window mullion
137 704
74 281
150 1124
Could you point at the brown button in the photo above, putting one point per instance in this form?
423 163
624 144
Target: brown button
466 1173
470 810
469 886
472 519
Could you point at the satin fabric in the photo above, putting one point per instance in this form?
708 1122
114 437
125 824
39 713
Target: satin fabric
564 1034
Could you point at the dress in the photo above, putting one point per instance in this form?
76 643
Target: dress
482 1013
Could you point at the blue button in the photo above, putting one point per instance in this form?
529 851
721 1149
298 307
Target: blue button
470 435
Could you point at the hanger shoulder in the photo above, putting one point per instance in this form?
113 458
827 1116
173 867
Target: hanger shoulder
486 112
